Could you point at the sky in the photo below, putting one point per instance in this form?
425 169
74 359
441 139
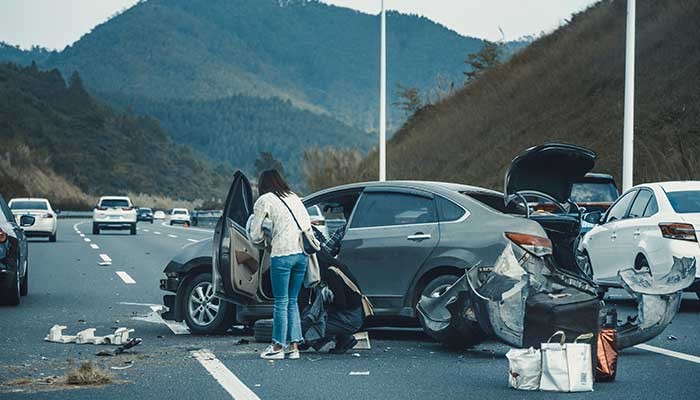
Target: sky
57 23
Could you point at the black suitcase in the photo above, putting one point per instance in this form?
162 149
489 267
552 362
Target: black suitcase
570 310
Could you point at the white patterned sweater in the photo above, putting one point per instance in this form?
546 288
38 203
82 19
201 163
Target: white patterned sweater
286 237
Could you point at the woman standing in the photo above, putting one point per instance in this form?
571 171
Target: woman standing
278 204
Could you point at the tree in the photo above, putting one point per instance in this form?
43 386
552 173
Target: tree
267 161
326 167
409 99
488 57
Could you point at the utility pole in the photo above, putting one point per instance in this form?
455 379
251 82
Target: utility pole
382 101
628 136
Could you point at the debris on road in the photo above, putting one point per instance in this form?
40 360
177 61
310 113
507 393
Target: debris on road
671 337
355 354
362 341
359 373
128 364
119 337
241 341
88 374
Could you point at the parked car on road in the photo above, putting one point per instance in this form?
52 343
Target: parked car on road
644 228
403 240
46 218
14 255
318 220
114 212
180 216
144 214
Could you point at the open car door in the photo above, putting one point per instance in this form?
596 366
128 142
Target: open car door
236 262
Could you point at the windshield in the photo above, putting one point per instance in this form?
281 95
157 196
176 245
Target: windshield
593 192
685 202
114 203
28 205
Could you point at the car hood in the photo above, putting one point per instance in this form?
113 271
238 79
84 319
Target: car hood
550 168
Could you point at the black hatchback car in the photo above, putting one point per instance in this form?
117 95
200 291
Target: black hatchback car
144 214
14 268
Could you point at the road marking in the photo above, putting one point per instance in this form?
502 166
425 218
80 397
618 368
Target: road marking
223 375
82 235
94 246
189 229
145 230
125 277
87 240
157 233
193 240
172 236
105 258
178 328
670 353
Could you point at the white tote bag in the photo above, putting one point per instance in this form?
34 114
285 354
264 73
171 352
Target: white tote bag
567 367
524 369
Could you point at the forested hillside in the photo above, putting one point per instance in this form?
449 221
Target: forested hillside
569 86
60 142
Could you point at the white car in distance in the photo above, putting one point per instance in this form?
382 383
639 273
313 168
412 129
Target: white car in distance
645 228
318 220
180 216
114 212
159 215
45 224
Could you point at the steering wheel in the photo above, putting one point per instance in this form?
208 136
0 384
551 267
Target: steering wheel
521 195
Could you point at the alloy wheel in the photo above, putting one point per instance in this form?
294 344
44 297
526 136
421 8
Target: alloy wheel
202 306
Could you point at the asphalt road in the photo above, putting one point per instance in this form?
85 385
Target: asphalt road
68 287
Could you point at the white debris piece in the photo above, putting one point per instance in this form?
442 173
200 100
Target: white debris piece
56 335
87 336
362 341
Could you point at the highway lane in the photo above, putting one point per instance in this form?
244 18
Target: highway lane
69 287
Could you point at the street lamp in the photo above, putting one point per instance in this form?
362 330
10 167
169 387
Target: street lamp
628 135
382 101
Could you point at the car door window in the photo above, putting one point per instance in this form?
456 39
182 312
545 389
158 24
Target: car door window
652 207
640 204
619 209
336 209
391 209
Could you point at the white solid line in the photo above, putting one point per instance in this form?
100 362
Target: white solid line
157 233
125 277
670 353
105 258
94 246
126 303
172 236
224 376
193 240
178 328
87 240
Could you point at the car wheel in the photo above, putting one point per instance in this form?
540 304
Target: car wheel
151 221
52 238
438 285
133 229
262 330
95 229
171 223
12 292
641 263
24 286
204 313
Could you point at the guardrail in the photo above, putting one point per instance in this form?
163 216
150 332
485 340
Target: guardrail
75 214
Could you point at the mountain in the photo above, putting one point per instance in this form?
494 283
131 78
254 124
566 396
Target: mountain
569 86
15 54
62 143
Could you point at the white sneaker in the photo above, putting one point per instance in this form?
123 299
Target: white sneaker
271 354
292 354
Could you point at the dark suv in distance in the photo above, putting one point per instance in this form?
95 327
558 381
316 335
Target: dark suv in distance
144 214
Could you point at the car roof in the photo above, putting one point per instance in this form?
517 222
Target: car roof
424 185
179 209
675 186
29 199
115 198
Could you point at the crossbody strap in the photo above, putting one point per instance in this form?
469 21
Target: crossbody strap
291 212
347 280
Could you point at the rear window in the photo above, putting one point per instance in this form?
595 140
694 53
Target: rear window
114 203
28 205
593 192
179 212
685 202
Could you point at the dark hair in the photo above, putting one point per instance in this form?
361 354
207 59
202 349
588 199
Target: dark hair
271 181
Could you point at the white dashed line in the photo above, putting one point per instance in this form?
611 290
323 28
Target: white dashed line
105 258
94 246
670 353
125 277
172 236
145 230
193 240
223 375
87 240
82 235
157 233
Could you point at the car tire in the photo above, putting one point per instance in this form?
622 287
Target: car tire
151 221
12 292
437 285
262 330
95 229
171 223
52 238
199 322
641 263
132 230
24 285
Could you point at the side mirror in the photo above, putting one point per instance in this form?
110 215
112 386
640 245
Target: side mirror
26 220
594 217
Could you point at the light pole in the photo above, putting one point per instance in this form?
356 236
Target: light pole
628 135
382 101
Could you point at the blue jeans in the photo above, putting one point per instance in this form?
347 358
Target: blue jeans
287 275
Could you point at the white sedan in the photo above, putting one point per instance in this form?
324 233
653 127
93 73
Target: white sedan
645 228
45 217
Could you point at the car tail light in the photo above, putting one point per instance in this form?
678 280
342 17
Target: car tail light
319 222
101 208
3 236
537 245
127 208
679 231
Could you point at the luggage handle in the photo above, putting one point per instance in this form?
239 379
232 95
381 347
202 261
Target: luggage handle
558 333
585 336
